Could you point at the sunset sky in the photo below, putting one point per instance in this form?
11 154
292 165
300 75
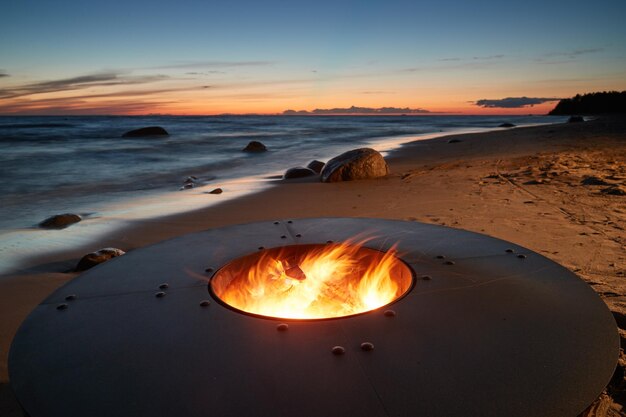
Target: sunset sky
212 57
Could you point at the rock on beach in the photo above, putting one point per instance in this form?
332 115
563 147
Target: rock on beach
593 180
316 166
95 258
615 190
60 221
298 172
357 164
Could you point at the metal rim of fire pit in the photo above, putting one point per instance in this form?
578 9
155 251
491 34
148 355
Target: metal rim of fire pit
489 329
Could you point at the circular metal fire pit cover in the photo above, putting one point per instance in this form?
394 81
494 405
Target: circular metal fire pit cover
489 329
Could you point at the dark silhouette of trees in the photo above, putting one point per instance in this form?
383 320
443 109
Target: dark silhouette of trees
593 103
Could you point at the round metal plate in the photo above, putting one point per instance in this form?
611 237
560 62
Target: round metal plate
489 329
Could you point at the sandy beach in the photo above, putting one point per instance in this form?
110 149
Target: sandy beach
557 190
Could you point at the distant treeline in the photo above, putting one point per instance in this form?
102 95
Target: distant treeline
593 103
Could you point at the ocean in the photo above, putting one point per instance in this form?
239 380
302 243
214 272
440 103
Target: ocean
77 164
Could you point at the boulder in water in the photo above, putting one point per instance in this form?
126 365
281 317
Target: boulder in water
146 132
255 146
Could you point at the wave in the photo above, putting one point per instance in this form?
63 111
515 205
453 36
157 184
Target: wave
35 125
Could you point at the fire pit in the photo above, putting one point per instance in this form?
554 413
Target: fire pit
466 325
312 281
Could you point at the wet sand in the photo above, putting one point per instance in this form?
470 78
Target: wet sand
553 189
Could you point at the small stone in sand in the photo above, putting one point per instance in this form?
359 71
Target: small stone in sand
298 172
455 141
145 132
507 125
94 258
593 181
254 146
575 119
216 191
60 221
615 190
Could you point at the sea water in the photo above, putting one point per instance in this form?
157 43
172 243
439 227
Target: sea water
83 165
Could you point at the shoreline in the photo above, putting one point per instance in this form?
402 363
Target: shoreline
427 151
522 185
161 204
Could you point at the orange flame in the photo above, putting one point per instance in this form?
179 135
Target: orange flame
313 281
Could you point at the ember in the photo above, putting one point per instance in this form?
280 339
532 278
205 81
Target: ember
313 281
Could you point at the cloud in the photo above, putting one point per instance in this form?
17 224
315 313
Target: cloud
456 63
131 101
576 52
487 58
205 72
356 110
513 102
54 107
253 96
566 56
377 92
474 58
213 64
77 83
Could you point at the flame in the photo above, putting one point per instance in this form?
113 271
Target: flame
313 281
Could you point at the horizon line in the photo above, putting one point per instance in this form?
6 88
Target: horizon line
271 114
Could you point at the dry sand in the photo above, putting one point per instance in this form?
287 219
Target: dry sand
524 185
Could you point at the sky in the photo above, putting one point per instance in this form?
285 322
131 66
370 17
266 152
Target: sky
212 57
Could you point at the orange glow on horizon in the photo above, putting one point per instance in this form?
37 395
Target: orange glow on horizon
201 109
177 99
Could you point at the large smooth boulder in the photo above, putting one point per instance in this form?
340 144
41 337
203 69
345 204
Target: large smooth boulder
95 258
60 221
357 164
507 124
298 172
146 132
255 146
